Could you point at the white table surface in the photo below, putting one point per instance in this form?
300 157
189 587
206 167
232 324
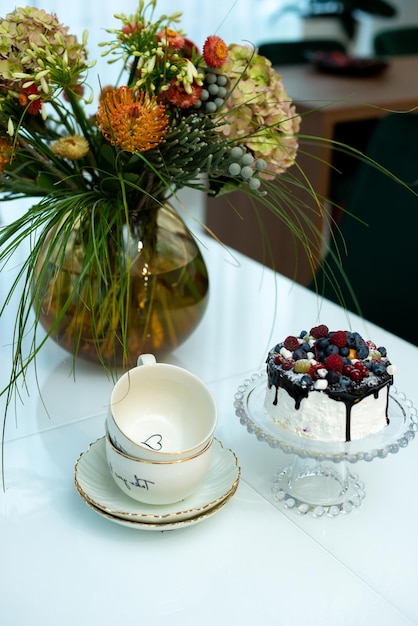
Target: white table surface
253 562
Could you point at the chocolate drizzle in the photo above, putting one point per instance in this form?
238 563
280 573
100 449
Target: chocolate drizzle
280 379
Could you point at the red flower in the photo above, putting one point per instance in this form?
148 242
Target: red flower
215 51
34 105
189 48
177 95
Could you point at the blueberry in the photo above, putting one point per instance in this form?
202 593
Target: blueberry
331 349
345 381
322 344
362 351
299 354
344 351
303 334
332 377
305 346
358 339
351 342
278 347
382 351
346 360
379 369
306 381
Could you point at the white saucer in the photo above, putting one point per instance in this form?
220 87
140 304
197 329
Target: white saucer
96 486
164 525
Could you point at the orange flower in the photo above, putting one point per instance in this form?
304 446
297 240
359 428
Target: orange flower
134 121
215 51
6 153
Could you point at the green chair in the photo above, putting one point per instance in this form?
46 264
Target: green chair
380 262
396 42
297 52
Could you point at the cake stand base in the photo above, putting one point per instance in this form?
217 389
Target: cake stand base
317 487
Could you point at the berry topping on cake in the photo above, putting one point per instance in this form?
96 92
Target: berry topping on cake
291 343
334 362
339 338
319 331
302 366
342 358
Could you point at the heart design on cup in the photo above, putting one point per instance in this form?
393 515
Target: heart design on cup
154 442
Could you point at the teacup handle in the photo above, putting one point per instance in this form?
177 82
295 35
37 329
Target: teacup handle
146 359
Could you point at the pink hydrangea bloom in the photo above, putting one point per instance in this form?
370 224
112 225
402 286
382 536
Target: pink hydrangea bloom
259 110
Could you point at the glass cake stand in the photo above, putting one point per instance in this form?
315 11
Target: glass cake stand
318 480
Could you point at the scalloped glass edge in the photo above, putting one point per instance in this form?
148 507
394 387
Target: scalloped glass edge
389 441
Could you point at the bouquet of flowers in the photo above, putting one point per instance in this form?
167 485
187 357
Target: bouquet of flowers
216 120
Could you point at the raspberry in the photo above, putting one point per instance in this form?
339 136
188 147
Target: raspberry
287 364
291 343
339 338
278 359
319 331
334 362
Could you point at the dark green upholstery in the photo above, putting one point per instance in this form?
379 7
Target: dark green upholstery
297 52
381 262
396 42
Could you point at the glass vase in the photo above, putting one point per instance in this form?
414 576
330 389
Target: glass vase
150 299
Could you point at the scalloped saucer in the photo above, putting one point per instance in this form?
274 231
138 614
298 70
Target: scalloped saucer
97 488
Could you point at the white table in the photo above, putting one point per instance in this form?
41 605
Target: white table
251 563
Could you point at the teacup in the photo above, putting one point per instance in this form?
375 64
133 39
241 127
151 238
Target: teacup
160 412
158 482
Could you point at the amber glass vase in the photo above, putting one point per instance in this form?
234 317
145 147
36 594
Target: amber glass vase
148 295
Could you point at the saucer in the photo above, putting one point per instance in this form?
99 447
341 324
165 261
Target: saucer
96 486
163 526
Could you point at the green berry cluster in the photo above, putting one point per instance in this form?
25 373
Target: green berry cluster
242 164
214 92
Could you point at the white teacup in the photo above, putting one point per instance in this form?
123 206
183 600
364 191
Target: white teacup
158 482
160 412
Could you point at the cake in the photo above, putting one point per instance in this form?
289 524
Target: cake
328 385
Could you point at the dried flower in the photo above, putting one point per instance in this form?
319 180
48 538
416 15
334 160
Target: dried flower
176 94
73 147
215 51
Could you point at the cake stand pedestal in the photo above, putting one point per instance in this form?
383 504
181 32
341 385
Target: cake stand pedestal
319 480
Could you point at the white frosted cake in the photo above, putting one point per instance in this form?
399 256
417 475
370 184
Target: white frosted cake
329 385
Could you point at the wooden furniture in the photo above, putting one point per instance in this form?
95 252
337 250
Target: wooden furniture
324 101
